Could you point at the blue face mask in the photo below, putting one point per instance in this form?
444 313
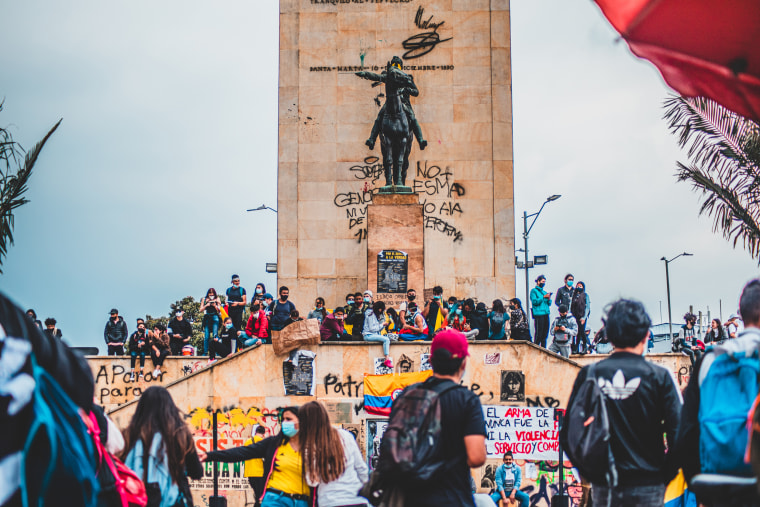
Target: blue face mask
436 297
228 326
367 300
289 429
569 283
258 291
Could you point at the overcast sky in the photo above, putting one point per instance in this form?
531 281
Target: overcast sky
169 134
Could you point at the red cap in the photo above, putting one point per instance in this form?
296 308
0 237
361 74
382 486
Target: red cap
451 340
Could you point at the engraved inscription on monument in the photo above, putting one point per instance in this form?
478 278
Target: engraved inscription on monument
392 271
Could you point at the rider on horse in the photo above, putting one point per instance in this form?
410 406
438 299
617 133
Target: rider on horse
410 90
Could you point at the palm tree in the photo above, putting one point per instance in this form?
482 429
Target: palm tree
724 154
14 175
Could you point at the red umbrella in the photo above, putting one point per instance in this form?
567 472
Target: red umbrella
708 48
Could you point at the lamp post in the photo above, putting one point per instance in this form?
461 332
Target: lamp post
262 207
667 284
526 232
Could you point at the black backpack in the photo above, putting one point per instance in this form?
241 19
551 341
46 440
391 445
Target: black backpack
585 436
409 451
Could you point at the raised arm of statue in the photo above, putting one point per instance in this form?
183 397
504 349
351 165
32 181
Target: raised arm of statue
411 88
370 75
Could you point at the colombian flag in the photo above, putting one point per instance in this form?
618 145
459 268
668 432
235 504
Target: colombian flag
678 495
381 390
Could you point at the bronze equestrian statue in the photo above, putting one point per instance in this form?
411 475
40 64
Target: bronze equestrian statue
396 124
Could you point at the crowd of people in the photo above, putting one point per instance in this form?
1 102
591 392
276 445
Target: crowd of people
701 432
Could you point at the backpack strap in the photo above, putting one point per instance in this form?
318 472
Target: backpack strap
441 387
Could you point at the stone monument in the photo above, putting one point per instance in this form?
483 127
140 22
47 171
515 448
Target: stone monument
458 52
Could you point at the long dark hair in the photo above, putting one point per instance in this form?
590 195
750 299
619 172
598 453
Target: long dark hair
157 413
324 459
498 306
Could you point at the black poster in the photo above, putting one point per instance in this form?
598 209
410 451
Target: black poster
392 271
512 386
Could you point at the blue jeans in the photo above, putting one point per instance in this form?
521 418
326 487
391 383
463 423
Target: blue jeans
522 498
278 500
210 329
374 337
630 496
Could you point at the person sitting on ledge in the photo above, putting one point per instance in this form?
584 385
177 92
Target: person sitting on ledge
332 326
374 324
415 327
257 328
294 317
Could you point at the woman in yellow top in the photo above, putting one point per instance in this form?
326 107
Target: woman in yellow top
285 485
254 468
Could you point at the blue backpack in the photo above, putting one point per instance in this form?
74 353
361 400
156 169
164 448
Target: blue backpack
58 466
727 394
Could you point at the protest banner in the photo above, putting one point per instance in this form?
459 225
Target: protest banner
529 432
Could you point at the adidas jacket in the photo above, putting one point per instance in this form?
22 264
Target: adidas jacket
642 405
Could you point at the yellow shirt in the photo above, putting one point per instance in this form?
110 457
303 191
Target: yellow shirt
254 467
287 475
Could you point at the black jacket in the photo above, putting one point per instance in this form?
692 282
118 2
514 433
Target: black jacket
642 404
135 339
266 449
479 320
564 296
116 331
355 318
180 327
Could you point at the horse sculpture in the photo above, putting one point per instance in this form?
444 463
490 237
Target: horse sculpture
395 125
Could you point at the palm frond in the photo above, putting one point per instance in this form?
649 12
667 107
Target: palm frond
13 185
724 149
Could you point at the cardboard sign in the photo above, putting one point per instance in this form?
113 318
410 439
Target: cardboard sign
297 334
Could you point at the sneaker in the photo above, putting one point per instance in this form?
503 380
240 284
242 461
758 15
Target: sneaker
132 377
141 376
388 363
211 361
156 372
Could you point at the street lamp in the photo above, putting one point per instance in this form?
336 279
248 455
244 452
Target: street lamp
526 232
667 284
262 207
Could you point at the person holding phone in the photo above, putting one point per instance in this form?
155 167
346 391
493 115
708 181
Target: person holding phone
540 301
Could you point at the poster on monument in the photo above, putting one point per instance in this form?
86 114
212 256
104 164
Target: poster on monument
392 271
375 431
529 432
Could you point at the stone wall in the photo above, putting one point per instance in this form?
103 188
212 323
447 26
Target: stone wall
327 176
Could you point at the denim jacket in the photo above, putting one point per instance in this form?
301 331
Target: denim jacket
501 475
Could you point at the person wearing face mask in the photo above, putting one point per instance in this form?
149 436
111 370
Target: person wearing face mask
259 291
580 308
236 301
434 312
319 310
281 310
222 345
357 316
565 293
285 483
332 326
374 324
257 327
540 301
138 346
414 327
411 295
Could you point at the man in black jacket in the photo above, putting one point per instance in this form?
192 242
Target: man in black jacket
642 404
115 334
180 331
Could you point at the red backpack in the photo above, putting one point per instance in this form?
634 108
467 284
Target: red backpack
129 489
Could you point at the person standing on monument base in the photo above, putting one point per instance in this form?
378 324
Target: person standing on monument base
434 312
236 301
180 331
116 334
563 330
362 305
281 310
541 302
565 293
374 324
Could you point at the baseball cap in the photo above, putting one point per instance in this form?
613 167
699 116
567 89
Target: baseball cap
562 308
268 296
114 311
235 277
452 340
733 316
368 292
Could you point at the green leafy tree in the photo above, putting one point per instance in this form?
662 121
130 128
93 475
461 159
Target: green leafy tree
15 170
193 314
724 155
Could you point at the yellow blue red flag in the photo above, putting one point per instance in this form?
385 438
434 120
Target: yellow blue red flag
381 390
678 495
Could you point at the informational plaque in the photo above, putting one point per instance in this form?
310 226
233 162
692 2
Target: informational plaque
392 271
